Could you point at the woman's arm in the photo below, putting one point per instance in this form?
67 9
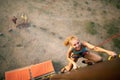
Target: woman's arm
69 53
98 49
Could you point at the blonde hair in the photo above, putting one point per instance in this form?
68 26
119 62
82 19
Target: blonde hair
68 39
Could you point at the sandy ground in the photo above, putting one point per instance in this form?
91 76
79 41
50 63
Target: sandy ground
49 23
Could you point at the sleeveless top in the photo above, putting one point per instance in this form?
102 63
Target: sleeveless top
80 52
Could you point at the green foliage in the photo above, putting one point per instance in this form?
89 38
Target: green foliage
91 28
117 42
75 3
118 5
86 2
115 3
19 45
105 12
89 9
39 0
112 28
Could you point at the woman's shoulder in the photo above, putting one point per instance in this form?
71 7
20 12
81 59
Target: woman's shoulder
83 43
70 48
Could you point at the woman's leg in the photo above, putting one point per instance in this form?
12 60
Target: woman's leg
69 66
93 57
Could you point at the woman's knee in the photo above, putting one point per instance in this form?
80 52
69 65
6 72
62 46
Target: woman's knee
99 60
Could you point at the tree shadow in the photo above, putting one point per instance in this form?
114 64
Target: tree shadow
23 25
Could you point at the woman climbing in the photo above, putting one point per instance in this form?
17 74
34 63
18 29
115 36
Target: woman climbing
77 50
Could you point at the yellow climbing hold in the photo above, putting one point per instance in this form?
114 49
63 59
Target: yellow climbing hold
109 58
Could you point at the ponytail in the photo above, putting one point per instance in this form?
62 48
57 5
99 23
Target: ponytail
68 39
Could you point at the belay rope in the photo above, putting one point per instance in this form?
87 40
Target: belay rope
109 39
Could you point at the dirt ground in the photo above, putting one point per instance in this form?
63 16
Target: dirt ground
49 23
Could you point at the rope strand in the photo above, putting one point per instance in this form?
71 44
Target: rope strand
109 39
